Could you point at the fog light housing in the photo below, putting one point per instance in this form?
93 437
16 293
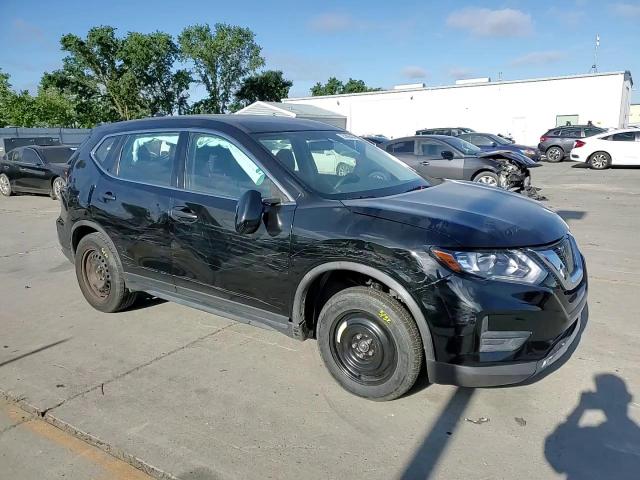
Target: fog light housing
501 340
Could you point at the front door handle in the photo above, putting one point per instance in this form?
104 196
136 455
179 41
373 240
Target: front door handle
425 163
183 215
108 197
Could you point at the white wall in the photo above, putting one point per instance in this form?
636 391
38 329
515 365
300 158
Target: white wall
525 109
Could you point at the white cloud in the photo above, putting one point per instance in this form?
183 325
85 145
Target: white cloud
538 58
627 9
484 22
332 22
413 71
460 73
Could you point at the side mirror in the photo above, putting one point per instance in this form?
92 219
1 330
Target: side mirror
494 144
249 212
447 154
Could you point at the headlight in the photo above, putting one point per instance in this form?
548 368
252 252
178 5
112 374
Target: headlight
528 152
510 265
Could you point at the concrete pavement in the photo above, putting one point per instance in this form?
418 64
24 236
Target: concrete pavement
181 393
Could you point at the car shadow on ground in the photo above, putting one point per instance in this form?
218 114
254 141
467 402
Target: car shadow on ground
145 301
610 449
570 215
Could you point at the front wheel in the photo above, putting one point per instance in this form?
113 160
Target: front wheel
486 178
369 343
5 185
600 161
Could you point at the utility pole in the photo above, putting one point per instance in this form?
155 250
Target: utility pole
594 67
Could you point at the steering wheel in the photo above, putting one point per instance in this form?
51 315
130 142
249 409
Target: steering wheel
379 176
348 178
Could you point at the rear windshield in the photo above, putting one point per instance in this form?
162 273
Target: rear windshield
57 155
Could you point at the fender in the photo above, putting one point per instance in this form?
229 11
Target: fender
414 309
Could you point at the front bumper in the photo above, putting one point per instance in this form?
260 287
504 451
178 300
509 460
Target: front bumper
495 375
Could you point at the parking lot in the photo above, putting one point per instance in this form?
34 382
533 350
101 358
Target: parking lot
181 393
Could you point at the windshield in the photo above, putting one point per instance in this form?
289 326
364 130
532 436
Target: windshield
462 145
499 140
340 165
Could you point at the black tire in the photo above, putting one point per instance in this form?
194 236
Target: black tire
5 186
554 154
54 188
369 343
487 178
599 161
100 276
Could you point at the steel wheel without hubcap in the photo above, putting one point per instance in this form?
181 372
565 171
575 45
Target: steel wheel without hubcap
58 185
363 349
95 273
5 185
600 160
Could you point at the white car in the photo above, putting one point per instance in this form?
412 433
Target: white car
617 147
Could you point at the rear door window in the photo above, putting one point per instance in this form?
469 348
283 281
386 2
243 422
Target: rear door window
572 132
623 137
402 147
31 157
148 157
433 149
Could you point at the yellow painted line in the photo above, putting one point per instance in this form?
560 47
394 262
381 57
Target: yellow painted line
113 469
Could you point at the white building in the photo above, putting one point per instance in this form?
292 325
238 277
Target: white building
309 112
524 109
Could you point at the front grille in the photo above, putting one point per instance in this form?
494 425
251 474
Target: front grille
564 260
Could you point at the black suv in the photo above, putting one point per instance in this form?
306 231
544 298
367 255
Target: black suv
558 142
233 215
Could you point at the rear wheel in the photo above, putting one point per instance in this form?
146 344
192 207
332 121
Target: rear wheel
369 343
555 154
5 185
100 275
600 161
486 178
56 188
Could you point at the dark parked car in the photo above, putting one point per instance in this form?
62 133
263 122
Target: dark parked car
376 139
558 142
35 170
442 156
230 214
490 142
452 131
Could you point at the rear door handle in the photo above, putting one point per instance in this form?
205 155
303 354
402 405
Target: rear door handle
108 197
424 163
183 215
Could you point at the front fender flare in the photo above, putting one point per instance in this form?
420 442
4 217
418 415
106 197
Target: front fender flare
411 304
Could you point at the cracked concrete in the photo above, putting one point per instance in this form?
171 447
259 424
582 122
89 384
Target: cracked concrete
183 394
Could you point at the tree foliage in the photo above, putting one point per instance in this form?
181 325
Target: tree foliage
222 58
336 87
268 86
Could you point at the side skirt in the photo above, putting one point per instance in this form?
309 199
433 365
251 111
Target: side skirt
211 304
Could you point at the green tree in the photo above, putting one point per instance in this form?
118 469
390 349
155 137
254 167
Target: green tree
268 86
148 61
336 87
221 59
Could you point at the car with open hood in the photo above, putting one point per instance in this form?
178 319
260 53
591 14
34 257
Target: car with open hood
391 274
444 156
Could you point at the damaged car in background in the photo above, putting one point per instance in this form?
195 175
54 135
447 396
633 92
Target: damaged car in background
442 156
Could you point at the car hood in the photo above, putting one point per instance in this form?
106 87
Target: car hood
519 158
464 214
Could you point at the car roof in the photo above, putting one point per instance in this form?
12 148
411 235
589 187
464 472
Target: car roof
246 123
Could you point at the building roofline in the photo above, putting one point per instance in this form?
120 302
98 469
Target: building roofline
626 73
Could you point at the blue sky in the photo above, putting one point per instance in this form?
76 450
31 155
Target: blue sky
381 42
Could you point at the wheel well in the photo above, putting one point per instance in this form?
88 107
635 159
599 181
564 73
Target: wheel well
482 170
599 151
53 179
78 233
327 284
554 146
